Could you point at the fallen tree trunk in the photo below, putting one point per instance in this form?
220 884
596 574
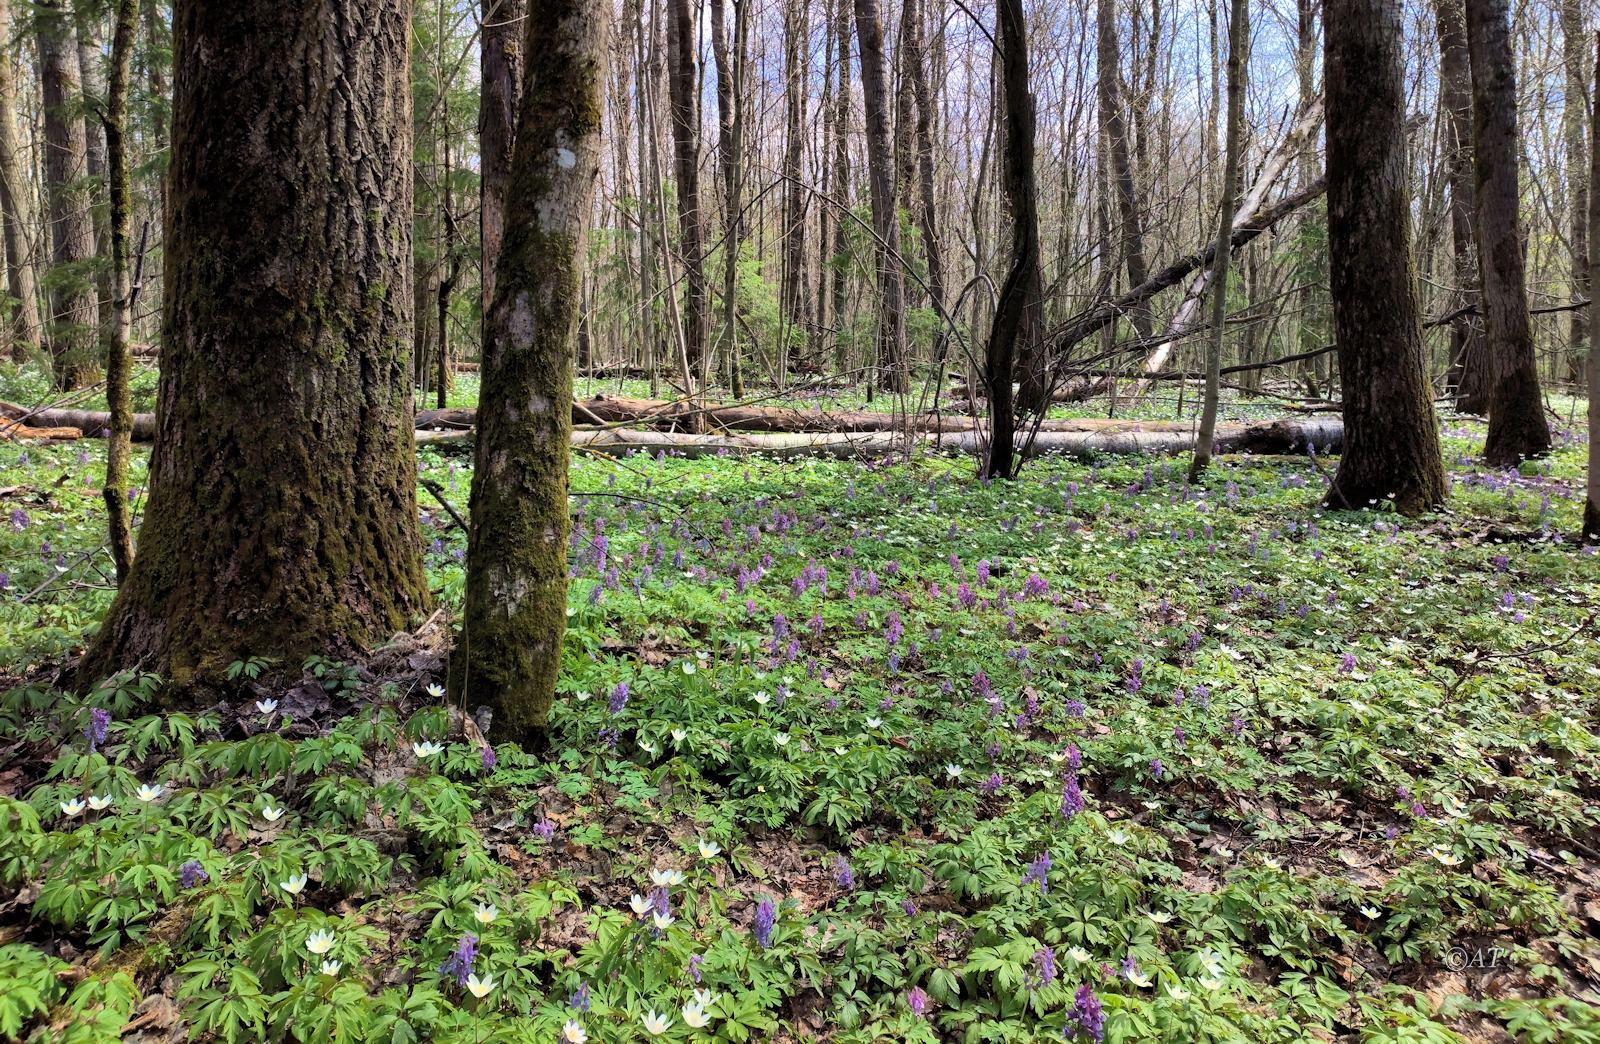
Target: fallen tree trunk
1275 437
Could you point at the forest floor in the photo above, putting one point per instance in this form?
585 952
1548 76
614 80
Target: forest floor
898 757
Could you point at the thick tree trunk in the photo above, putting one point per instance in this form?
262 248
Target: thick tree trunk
1468 374
1114 122
1517 426
683 83
893 362
1391 444
500 41
516 601
15 201
1018 311
73 331
282 514
1238 70
119 358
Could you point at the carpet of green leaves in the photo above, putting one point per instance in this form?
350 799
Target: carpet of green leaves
1339 773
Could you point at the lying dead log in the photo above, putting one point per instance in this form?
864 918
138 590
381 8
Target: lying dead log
1128 438
90 423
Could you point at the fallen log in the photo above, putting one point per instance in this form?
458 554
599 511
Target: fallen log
1130 438
91 423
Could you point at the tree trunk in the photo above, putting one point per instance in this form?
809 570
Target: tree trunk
838 249
119 358
730 147
516 601
16 202
683 84
1391 438
1574 117
74 308
1113 118
1591 500
1468 374
894 368
797 76
1018 311
500 40
1517 426
1238 70
282 514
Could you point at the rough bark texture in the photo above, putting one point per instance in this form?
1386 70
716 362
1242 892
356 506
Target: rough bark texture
796 195
73 330
683 83
501 58
119 357
839 245
516 602
15 201
1517 425
1114 124
1238 50
1468 374
1391 439
730 148
282 514
1016 317
894 367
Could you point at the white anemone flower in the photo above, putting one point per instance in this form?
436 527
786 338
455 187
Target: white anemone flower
485 913
666 878
436 691
320 941
710 850
74 807
331 967
480 988
656 1024
640 904
426 749
270 814
662 921
695 1016
295 885
573 1033
99 802
149 792
953 771
266 706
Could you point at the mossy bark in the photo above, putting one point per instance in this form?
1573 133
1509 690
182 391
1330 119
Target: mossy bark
119 356
516 598
1391 439
18 210
282 514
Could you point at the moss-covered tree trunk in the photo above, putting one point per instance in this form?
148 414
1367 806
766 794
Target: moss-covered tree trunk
282 514
516 602
1517 425
119 355
1391 439
75 313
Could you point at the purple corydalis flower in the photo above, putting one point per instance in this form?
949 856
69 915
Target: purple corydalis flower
843 876
917 1001
192 873
619 698
761 927
95 731
1347 663
694 967
1071 798
1038 872
908 908
991 785
545 829
1157 769
487 758
1086 1019
1044 967
459 964
579 1000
